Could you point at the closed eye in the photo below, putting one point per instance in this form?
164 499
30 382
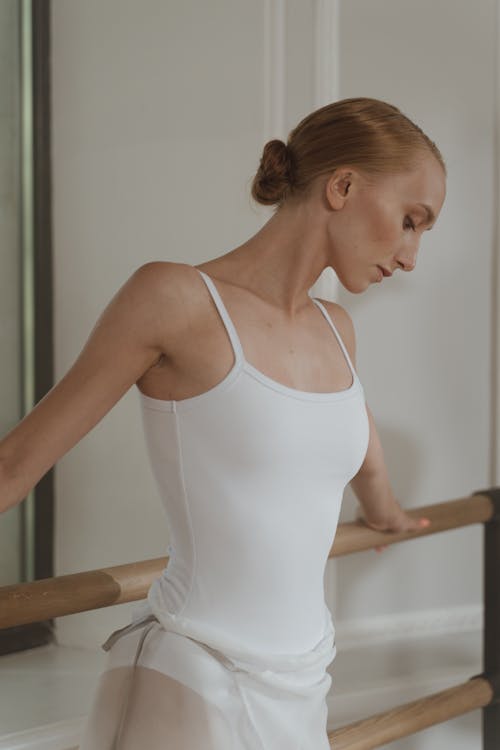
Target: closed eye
412 225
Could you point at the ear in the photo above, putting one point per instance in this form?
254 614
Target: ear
338 186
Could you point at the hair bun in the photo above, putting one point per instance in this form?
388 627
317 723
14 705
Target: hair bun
369 134
274 175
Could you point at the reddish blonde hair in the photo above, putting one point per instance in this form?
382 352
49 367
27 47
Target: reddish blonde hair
370 134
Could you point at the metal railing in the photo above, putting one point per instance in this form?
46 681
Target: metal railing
80 592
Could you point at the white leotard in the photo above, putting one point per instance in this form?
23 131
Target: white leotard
230 650
252 475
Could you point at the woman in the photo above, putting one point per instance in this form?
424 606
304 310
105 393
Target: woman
255 420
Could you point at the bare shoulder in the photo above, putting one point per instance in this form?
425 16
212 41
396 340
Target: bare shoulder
163 278
144 320
168 278
344 324
169 290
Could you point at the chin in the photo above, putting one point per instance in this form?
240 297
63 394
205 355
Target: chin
353 284
355 287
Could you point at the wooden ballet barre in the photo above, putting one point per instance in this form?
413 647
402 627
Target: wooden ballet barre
354 537
412 717
77 592
80 592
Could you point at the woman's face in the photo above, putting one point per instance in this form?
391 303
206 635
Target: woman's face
380 224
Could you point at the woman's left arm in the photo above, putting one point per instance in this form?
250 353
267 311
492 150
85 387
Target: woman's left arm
372 487
371 484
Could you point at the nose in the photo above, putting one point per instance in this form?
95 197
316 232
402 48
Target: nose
407 259
407 265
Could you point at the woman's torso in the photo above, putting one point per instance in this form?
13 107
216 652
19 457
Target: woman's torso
251 473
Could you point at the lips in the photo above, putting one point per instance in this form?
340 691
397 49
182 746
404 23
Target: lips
385 271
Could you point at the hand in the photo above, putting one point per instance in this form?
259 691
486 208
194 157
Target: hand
401 521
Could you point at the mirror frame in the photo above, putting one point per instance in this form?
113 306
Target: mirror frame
37 358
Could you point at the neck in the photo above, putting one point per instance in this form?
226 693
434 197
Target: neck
282 261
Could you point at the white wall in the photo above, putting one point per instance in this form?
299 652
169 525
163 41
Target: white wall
161 109
424 338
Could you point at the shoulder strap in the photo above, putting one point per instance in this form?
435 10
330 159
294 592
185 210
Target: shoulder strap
339 339
228 323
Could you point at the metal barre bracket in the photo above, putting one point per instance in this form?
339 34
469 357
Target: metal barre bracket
494 494
491 653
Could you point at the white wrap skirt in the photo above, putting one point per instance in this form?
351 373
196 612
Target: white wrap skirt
163 689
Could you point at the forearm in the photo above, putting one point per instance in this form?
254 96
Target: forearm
371 484
374 492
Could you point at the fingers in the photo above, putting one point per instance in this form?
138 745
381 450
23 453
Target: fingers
418 524
410 524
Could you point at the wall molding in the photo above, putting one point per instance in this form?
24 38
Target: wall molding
326 51
59 735
397 626
274 69
495 273
326 89
326 14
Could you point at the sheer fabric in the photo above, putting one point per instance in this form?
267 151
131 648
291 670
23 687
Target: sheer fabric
161 689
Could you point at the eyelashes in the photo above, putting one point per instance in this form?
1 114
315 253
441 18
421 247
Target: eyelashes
412 225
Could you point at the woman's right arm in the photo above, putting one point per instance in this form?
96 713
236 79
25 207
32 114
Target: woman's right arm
133 331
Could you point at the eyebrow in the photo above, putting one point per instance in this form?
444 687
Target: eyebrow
430 213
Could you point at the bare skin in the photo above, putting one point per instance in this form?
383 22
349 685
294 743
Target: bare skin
162 332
